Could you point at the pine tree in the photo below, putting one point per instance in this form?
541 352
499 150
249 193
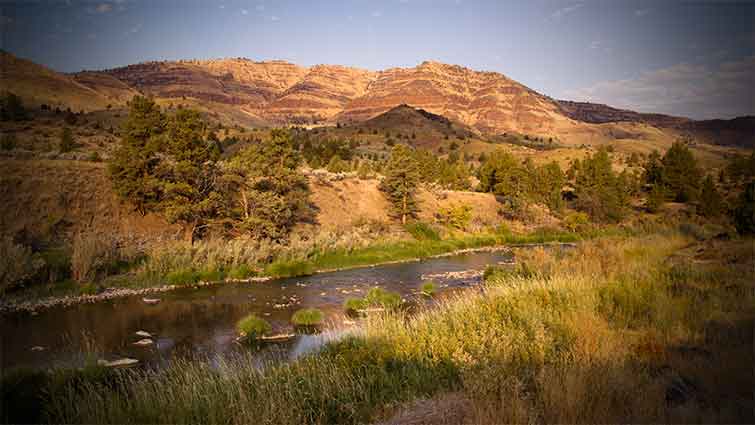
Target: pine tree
400 184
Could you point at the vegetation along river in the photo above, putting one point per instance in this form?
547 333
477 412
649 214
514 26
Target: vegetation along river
191 322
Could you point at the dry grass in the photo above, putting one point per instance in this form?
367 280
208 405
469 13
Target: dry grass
92 253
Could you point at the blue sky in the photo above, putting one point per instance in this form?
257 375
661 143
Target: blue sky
688 58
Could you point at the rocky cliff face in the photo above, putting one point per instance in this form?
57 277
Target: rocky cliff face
487 101
281 92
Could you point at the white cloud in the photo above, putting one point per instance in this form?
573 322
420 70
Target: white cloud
222 6
377 14
244 12
684 89
600 45
275 18
260 7
641 12
104 8
560 13
134 29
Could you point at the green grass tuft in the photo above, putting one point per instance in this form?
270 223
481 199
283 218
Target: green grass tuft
253 326
422 231
241 272
429 288
353 305
308 317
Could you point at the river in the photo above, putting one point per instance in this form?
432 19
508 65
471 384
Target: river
201 321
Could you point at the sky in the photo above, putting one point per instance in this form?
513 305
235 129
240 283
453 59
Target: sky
688 58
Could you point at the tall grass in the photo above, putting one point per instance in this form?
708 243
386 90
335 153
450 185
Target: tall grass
616 330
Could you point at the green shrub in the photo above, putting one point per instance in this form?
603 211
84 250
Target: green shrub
57 265
253 326
694 230
290 268
214 275
576 221
456 216
241 272
422 231
8 141
183 277
17 264
88 289
429 288
307 317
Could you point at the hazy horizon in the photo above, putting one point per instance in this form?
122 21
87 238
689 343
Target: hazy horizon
680 58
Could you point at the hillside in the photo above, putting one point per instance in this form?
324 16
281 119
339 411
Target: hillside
38 85
597 113
738 132
52 200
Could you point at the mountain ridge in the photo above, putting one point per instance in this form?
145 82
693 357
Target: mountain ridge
278 92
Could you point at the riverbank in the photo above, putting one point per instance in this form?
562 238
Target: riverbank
653 328
334 261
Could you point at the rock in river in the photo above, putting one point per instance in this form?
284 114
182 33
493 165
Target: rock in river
144 342
124 362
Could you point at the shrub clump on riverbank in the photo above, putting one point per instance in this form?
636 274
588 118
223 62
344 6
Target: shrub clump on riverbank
640 330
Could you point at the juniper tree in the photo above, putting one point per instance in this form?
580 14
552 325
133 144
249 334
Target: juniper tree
402 177
265 194
66 143
680 173
599 191
711 203
744 213
188 176
11 108
132 165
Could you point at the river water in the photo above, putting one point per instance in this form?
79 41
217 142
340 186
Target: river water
191 322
